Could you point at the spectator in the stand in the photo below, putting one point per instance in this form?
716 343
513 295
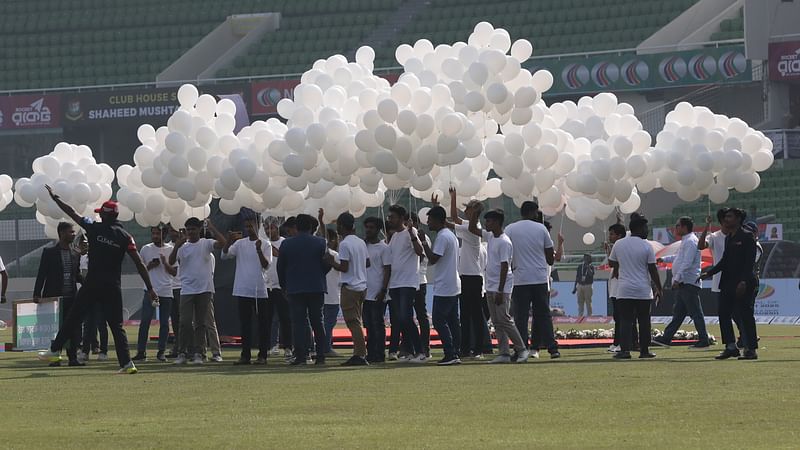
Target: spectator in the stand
584 279
58 276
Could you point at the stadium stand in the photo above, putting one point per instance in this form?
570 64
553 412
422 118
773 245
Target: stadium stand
730 28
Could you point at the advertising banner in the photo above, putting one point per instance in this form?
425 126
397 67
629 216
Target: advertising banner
139 105
267 94
25 112
778 297
632 72
35 324
561 297
784 61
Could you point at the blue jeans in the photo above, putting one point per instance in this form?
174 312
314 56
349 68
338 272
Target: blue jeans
307 308
687 303
147 315
331 313
534 298
402 308
445 321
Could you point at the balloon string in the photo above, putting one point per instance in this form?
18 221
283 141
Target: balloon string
563 213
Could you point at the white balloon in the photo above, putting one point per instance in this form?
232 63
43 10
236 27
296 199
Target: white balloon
188 95
588 239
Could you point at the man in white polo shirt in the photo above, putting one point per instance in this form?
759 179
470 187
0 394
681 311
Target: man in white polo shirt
634 265
353 261
533 256
253 257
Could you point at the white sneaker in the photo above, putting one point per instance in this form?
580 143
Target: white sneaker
49 356
216 358
534 354
393 356
288 354
501 359
419 359
478 357
275 351
129 369
181 359
198 359
523 357
102 357
613 349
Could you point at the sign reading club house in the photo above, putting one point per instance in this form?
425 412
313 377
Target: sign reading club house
24 112
120 105
784 61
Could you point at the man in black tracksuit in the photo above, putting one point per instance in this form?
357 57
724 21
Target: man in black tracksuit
58 276
737 287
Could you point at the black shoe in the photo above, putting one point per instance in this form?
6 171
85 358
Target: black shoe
54 364
700 345
298 362
727 353
356 361
647 355
376 360
555 354
76 363
660 342
748 354
739 343
160 356
449 361
319 362
140 356
95 350
622 355
241 362
171 355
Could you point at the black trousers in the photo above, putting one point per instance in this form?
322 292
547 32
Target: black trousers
742 310
262 311
631 311
474 329
67 303
618 323
175 318
534 299
421 310
374 321
307 309
278 302
109 297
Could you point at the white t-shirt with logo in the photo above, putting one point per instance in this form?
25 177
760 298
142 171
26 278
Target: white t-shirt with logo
333 281
379 257
499 250
530 239
272 271
161 280
446 282
633 254
469 255
404 261
250 279
353 250
197 267
716 241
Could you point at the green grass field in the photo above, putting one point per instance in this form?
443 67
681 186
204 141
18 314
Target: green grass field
682 399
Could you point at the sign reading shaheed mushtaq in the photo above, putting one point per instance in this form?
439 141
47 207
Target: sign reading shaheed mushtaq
120 105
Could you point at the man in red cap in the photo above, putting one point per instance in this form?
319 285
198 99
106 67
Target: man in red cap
108 245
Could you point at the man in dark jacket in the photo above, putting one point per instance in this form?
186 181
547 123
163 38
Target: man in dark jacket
301 274
59 273
737 287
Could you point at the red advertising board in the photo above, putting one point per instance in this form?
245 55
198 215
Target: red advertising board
24 112
267 94
784 61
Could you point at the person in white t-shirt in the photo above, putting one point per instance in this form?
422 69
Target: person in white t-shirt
378 275
499 284
333 297
421 296
155 256
533 256
278 305
253 256
634 265
405 250
446 285
197 286
616 232
352 263
474 329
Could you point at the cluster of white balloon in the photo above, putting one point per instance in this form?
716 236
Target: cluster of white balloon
6 185
74 175
457 112
702 153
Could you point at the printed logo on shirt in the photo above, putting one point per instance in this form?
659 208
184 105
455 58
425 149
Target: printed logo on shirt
107 241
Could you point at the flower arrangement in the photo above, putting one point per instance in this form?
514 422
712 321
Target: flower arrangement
599 333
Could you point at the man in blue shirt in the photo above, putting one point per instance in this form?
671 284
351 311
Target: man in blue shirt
301 274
